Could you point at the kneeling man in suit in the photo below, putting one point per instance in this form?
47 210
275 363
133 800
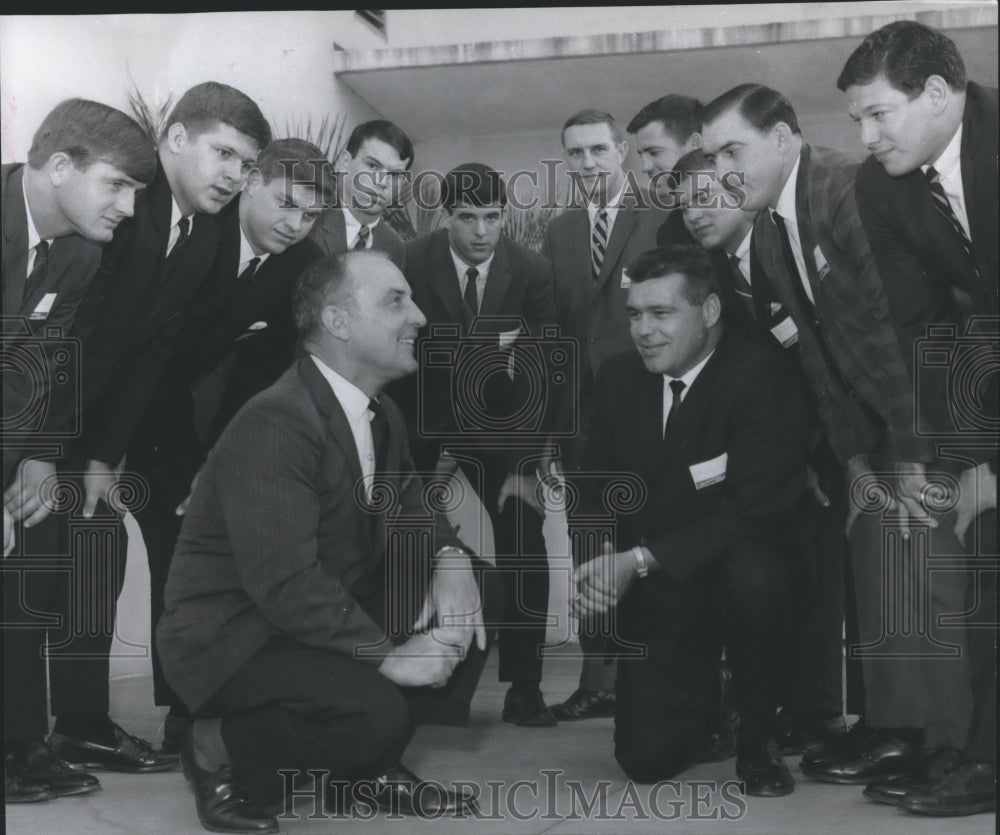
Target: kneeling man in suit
714 426
311 588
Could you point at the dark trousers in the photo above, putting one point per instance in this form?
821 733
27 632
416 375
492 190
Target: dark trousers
664 700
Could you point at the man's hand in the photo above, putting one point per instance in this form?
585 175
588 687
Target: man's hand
812 485
911 485
602 582
425 660
446 465
183 506
859 471
454 603
23 498
977 494
8 532
97 484
523 487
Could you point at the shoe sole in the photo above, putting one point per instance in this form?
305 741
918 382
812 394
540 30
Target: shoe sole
124 769
39 798
76 792
938 812
821 777
885 800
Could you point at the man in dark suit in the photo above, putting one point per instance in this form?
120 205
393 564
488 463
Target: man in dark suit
715 428
86 164
128 325
247 297
369 172
279 628
588 245
485 297
928 201
813 249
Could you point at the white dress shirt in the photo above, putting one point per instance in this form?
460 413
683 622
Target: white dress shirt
352 228
461 268
949 168
786 208
688 379
175 216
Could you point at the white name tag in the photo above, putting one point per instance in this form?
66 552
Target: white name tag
822 267
707 473
44 307
785 332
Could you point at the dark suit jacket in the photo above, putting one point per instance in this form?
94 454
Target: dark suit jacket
867 391
72 265
274 541
330 234
927 276
519 284
746 404
130 320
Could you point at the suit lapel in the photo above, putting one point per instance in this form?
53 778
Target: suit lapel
580 249
620 233
803 217
444 279
497 282
333 232
15 242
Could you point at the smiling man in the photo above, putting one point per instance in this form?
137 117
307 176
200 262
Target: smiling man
927 197
664 131
715 427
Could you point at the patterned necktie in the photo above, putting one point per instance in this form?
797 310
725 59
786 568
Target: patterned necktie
38 269
599 242
677 387
943 205
471 297
364 233
184 230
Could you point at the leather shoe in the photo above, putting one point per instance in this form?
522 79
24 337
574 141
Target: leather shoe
527 708
764 772
400 792
220 800
585 704
796 733
41 764
885 756
18 789
934 765
129 753
845 746
966 790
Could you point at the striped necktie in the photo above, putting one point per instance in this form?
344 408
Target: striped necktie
599 242
943 205
364 233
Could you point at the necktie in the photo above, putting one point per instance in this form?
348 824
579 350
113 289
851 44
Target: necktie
677 387
742 286
943 205
184 232
793 268
364 233
599 242
38 270
248 271
471 297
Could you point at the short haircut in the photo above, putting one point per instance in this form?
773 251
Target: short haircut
88 132
205 105
302 163
475 184
761 106
385 131
679 115
593 117
691 161
688 260
318 285
907 53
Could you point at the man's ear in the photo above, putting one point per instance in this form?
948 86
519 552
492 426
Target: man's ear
342 161
694 141
334 320
177 137
937 93
783 135
59 167
255 180
711 310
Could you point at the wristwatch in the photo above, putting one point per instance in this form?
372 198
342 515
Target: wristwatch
642 566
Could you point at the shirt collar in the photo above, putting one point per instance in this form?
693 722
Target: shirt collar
246 250
948 165
689 378
352 224
175 215
612 207
743 250
462 268
352 400
33 237
786 200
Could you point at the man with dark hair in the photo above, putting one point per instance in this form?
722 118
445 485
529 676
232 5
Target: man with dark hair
714 426
128 326
665 130
588 246
86 164
368 171
479 291
813 248
280 630
927 197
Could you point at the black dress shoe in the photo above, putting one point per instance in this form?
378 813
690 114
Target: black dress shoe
934 765
129 753
966 790
796 733
41 764
585 704
885 756
845 746
18 789
764 772
221 802
527 708
400 792
173 732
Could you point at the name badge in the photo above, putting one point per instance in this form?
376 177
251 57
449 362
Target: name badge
785 332
707 473
44 307
822 267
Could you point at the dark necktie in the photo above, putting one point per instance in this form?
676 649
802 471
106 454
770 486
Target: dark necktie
248 271
184 227
677 387
380 433
599 242
943 205
364 233
471 298
38 269
743 288
793 268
